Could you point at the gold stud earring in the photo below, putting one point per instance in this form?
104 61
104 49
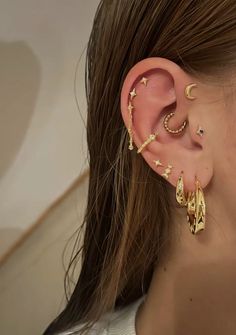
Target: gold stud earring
151 138
200 131
133 94
196 209
144 81
188 90
158 162
180 194
167 171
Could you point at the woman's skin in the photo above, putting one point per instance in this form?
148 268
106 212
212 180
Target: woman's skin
193 289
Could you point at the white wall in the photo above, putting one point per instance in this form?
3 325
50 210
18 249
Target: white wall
42 136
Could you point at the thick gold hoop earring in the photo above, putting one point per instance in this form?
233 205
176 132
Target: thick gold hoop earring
196 209
180 194
173 131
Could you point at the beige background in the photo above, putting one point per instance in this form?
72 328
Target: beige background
42 134
43 153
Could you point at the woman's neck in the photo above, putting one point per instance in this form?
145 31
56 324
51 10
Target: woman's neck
193 288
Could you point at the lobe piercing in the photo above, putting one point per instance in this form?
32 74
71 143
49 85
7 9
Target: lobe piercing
158 162
151 138
187 91
167 171
144 81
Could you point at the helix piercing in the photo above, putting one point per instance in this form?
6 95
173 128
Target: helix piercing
151 138
173 131
133 94
130 108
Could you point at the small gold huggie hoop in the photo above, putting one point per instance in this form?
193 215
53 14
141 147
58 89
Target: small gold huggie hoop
173 131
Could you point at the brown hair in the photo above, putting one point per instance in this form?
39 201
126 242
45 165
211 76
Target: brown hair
128 216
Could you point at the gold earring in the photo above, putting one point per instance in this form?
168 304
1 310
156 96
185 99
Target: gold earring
144 81
173 131
180 194
196 209
151 138
200 131
187 91
130 108
158 162
167 171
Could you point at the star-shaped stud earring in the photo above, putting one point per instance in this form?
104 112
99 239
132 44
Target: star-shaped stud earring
200 131
158 162
133 93
144 81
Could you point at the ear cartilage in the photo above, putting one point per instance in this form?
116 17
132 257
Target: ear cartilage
151 138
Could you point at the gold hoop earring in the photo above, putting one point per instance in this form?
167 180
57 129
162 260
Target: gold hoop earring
196 209
173 131
180 194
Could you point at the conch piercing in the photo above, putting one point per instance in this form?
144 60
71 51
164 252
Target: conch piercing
167 171
173 131
151 138
195 203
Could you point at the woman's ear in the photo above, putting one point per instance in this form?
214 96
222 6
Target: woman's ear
154 88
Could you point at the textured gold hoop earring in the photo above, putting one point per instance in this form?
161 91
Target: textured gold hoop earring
173 131
196 209
180 194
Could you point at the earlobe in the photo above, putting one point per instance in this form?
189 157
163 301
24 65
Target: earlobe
156 100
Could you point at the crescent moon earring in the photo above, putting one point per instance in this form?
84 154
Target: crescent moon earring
188 90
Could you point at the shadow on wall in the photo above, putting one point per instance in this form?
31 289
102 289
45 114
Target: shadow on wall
19 86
